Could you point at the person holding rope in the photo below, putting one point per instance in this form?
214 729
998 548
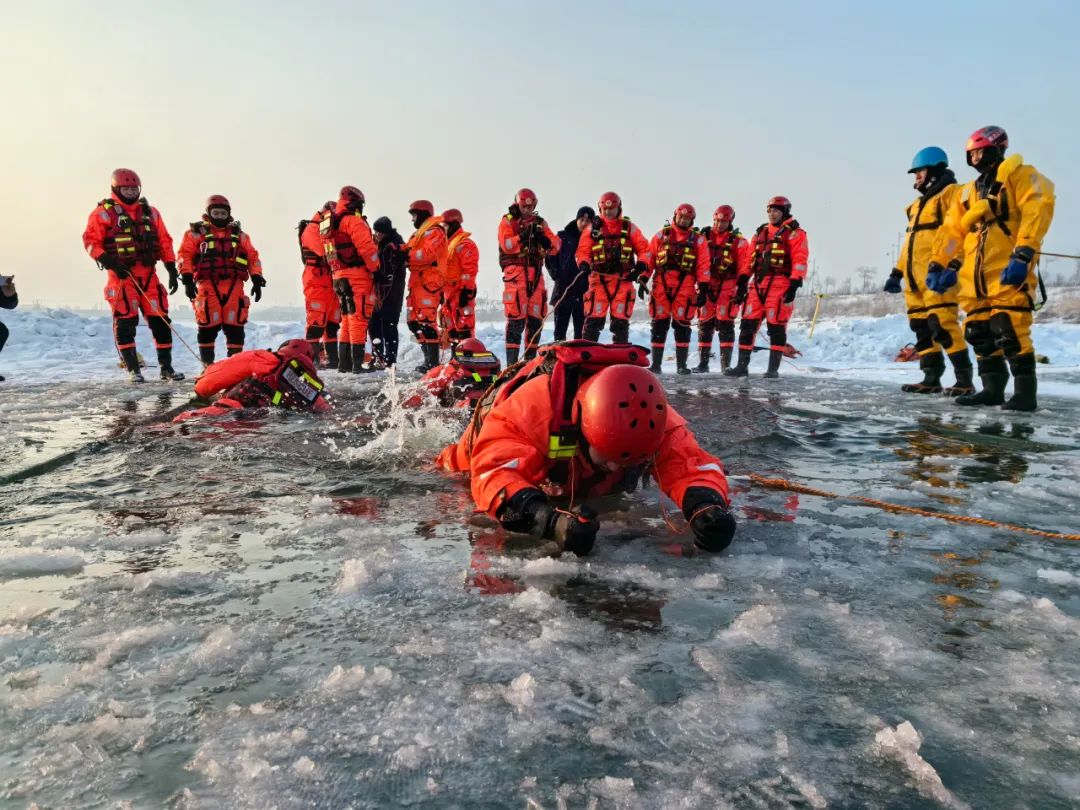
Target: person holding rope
614 254
779 253
729 277
568 283
525 239
585 420
127 237
216 258
679 266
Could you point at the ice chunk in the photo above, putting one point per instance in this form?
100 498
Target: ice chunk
532 600
902 745
14 565
354 575
519 693
1057 577
304 767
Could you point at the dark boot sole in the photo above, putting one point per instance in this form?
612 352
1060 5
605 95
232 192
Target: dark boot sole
919 388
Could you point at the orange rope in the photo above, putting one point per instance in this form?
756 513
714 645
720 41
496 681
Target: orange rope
780 483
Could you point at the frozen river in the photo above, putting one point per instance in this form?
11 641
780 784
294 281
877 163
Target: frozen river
290 611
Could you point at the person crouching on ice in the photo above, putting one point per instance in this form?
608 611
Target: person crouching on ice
461 382
584 419
261 378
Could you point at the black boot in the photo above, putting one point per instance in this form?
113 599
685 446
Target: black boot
431 357
742 369
995 376
961 363
357 351
206 355
131 360
164 361
511 356
703 364
774 364
681 354
933 366
316 352
1024 384
344 357
331 354
725 358
657 359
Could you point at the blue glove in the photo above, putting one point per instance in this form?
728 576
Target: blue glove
939 279
1017 271
892 283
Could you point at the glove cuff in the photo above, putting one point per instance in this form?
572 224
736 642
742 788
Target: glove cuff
1024 254
896 273
528 512
697 498
955 264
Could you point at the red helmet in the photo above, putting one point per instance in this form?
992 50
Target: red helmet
217 201
125 178
623 413
609 197
525 196
779 202
352 194
296 348
424 206
987 136
685 209
725 212
452 215
472 354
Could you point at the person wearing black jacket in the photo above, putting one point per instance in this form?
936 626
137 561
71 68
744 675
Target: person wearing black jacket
390 286
9 299
569 285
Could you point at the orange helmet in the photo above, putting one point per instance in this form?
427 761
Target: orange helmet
217 201
452 215
125 178
725 211
423 206
352 197
525 196
294 348
783 203
623 413
685 209
609 197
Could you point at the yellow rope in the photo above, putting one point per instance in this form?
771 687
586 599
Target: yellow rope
780 483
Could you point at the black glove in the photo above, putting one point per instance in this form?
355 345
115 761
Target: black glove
575 530
642 290
541 238
189 287
585 268
515 211
529 512
639 270
713 525
740 291
174 277
702 295
465 296
112 263
793 287
345 295
892 283
257 283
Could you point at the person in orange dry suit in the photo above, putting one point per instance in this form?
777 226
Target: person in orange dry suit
584 419
729 275
458 311
321 305
426 251
462 381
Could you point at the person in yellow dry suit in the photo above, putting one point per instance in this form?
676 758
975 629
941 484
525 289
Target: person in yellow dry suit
933 316
1000 220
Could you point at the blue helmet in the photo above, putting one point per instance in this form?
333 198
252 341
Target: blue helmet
927 158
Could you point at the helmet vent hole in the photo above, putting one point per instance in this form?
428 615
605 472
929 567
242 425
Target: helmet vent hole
633 423
624 404
626 455
644 404
659 407
652 425
633 387
651 389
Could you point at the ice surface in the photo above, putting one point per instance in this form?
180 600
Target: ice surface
902 745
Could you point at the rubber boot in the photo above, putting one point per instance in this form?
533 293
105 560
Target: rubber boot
131 360
331 354
774 364
431 357
995 376
681 355
703 364
164 361
742 368
357 351
344 358
933 366
961 363
206 355
725 358
657 359
1024 384
316 353
511 356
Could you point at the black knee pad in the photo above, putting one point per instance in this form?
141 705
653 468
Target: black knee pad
3 335
159 328
725 330
332 330
1005 338
747 330
682 332
313 333
659 330
620 330
207 334
924 336
233 333
777 334
534 325
941 336
978 334
515 328
125 329
591 330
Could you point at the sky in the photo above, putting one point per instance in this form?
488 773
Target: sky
277 105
